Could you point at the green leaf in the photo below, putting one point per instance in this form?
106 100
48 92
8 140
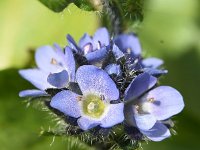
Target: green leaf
60 5
56 5
21 125
44 28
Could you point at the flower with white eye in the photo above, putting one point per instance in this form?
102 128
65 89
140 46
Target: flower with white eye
55 70
93 48
146 111
93 107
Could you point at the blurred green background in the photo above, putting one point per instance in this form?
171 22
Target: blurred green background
170 30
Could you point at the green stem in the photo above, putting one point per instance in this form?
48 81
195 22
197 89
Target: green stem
120 15
112 17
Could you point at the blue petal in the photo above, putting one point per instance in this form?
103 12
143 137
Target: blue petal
36 77
72 43
128 43
86 39
101 37
86 123
155 72
134 64
70 63
152 62
59 50
114 116
167 102
159 132
32 93
143 121
59 80
88 48
113 69
48 60
139 85
117 52
93 80
66 102
97 56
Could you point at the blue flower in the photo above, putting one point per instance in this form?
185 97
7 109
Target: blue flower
146 111
55 70
93 107
128 45
151 65
93 48
113 69
119 85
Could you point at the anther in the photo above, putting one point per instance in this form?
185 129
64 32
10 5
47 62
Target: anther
54 61
151 100
128 50
102 97
99 45
79 98
137 107
87 48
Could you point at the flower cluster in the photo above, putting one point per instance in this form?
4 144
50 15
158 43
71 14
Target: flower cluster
102 82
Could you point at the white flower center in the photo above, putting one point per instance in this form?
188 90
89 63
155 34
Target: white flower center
144 107
93 106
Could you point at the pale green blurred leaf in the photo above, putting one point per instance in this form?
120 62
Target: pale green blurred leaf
20 126
169 26
26 25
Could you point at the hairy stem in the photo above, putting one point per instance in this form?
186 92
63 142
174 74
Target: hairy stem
112 16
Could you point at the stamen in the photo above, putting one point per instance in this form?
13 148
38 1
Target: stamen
128 50
151 100
98 45
79 98
87 48
54 61
137 107
102 97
